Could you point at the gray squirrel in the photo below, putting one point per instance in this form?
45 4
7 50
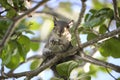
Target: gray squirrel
59 41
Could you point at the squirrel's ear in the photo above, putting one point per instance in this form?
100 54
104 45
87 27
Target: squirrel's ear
70 23
55 21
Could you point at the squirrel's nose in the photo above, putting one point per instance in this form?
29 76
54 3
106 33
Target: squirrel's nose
60 34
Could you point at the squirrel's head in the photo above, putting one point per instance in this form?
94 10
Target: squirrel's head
61 28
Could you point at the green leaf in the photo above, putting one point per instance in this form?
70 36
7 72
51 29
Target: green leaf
16 3
34 46
5 55
118 78
4 24
21 28
35 64
21 52
110 47
84 77
33 25
105 12
94 22
64 69
14 62
5 4
102 29
19 5
8 51
10 56
23 45
91 36
90 15
11 13
95 18
22 5
93 70
117 24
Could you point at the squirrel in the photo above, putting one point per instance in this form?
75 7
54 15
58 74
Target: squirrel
59 41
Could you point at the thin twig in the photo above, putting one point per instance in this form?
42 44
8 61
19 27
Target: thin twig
90 54
2 71
52 61
34 57
15 21
111 74
116 13
39 69
4 11
7 35
110 34
99 62
82 11
28 59
57 58
35 40
30 11
101 37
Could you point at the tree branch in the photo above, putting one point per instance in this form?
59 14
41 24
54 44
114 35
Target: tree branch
90 54
39 69
101 37
99 62
71 52
12 27
34 57
116 13
7 35
28 59
31 10
82 11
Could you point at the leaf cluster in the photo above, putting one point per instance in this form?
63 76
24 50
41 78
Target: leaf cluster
96 23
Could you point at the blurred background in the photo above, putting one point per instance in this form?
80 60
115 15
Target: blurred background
41 23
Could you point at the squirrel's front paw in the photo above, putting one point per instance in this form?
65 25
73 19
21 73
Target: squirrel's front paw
55 42
46 52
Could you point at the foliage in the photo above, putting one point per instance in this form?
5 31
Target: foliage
64 69
34 64
96 22
109 48
97 18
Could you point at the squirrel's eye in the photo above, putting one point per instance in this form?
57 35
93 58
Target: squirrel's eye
55 24
68 26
